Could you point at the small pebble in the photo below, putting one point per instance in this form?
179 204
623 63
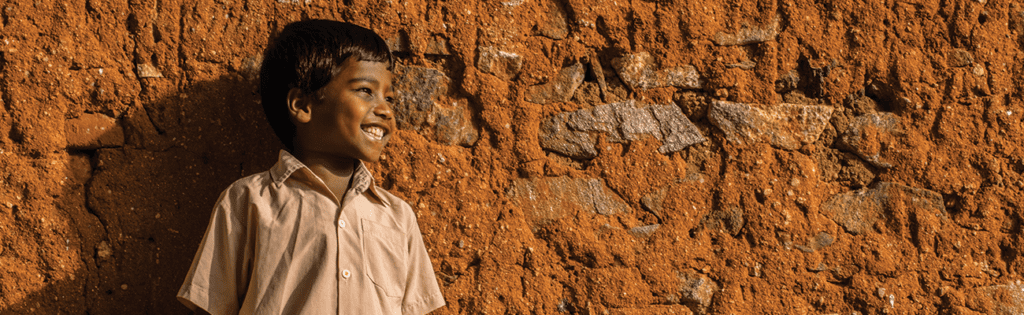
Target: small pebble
124 286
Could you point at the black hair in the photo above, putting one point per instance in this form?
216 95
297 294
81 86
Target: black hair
307 55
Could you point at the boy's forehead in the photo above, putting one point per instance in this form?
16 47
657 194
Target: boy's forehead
359 69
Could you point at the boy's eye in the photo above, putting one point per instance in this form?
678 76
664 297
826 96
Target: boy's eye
365 90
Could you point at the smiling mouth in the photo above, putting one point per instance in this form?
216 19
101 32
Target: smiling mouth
374 132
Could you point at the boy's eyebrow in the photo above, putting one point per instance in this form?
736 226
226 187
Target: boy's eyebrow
363 79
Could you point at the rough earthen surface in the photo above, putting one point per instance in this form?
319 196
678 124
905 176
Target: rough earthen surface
828 157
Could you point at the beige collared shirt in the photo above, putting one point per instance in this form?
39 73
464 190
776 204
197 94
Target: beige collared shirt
279 243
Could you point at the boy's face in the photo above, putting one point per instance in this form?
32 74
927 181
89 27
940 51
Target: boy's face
353 116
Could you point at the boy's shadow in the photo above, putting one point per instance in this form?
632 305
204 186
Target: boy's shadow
138 211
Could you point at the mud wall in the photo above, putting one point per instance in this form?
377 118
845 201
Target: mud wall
589 157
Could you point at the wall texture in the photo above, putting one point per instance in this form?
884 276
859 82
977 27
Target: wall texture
577 156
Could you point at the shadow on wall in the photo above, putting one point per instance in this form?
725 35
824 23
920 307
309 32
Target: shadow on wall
139 192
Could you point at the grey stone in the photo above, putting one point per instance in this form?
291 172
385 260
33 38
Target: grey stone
250 67
556 136
786 126
556 26
729 220
853 139
1005 299
817 242
677 130
93 131
645 230
858 211
696 291
145 70
637 71
560 88
418 107
453 125
787 81
549 198
822 240
746 64
505 65
598 70
569 133
652 202
749 35
961 58
417 90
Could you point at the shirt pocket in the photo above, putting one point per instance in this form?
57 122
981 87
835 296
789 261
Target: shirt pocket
385 257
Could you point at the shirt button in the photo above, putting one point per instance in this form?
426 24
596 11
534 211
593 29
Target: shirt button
341 223
345 273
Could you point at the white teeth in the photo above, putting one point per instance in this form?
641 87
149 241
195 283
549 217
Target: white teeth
375 133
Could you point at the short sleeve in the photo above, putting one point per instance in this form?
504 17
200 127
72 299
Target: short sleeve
218 278
422 293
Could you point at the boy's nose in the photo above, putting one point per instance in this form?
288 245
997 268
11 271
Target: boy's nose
383 109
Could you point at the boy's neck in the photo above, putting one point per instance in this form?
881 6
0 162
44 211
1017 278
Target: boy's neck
336 172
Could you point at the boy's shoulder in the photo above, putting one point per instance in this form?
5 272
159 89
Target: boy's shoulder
247 185
258 180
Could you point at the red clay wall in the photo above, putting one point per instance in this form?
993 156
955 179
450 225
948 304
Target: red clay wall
590 157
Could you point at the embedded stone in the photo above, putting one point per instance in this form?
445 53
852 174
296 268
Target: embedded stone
555 135
569 133
961 58
858 211
746 64
503 64
559 89
786 126
453 125
418 107
652 202
644 231
1004 299
817 242
696 291
863 135
556 26
787 81
93 131
822 240
416 91
103 251
749 35
146 70
637 71
729 220
549 198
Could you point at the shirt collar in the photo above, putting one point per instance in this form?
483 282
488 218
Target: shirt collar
362 179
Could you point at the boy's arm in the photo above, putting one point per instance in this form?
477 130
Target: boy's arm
422 293
218 278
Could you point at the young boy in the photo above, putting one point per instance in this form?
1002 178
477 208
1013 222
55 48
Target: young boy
314 234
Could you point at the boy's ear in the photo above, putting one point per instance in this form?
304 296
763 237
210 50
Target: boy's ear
299 106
